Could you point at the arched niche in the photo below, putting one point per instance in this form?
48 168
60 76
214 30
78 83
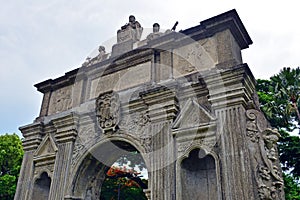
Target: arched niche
41 187
198 176
91 172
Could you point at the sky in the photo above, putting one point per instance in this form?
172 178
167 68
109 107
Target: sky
42 39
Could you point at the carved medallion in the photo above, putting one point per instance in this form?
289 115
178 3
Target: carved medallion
108 110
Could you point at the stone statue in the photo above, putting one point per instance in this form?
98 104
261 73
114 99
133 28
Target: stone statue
132 23
102 54
155 33
130 31
86 62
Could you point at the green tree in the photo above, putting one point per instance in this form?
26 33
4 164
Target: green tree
280 98
280 101
292 189
11 154
121 183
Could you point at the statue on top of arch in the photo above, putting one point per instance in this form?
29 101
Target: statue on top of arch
130 31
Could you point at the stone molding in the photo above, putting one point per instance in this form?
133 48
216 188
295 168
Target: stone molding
33 135
162 103
230 87
46 150
66 127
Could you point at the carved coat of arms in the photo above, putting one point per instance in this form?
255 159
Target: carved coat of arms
108 110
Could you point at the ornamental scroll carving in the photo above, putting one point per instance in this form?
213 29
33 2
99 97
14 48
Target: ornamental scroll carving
108 110
138 125
263 147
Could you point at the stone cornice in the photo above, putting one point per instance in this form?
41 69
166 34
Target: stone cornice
231 86
32 135
228 20
50 84
162 102
207 28
66 127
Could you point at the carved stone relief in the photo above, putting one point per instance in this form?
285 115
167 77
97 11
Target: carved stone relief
46 168
108 110
77 151
61 100
194 57
138 125
120 80
263 147
146 142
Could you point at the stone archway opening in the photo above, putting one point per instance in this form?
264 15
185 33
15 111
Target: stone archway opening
112 170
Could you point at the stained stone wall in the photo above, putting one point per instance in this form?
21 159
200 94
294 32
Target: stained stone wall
184 100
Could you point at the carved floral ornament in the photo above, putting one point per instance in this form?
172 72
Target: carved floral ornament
108 110
263 147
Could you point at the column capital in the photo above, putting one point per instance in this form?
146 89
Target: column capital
32 134
230 87
66 127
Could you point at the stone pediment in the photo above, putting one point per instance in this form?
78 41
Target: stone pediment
192 115
47 148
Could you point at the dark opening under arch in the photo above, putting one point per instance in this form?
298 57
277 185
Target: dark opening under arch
41 187
91 173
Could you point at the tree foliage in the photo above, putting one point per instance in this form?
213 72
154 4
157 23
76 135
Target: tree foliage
122 183
11 154
292 188
280 98
280 102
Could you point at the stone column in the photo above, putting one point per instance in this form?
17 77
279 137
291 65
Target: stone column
32 138
66 132
162 106
229 93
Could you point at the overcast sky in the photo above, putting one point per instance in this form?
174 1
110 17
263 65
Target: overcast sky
42 39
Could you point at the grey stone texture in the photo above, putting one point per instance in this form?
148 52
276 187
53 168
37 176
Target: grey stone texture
185 100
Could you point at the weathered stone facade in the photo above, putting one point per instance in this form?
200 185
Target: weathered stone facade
185 100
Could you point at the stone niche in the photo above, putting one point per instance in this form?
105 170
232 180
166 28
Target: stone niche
199 177
184 100
41 188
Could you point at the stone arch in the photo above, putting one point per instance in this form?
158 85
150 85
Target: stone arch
198 174
41 187
91 170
